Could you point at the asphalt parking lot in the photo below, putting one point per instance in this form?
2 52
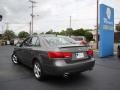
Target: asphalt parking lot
104 76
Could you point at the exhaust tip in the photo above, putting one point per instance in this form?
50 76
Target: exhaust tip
66 75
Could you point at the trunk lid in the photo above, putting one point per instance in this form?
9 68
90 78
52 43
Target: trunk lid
78 51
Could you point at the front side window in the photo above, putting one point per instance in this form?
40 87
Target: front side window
37 42
34 41
26 42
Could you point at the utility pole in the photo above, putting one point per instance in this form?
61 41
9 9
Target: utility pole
70 22
32 15
30 28
97 25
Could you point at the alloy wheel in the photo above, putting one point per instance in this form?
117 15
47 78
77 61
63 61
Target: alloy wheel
37 70
14 59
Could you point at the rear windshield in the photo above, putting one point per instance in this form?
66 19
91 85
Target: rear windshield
60 41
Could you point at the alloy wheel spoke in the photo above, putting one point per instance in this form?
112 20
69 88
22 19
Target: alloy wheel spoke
37 70
14 59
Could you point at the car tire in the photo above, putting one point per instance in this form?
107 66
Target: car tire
38 71
15 59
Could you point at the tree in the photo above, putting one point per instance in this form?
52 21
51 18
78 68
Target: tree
23 34
69 31
35 33
63 32
42 33
83 32
50 32
8 35
88 35
79 32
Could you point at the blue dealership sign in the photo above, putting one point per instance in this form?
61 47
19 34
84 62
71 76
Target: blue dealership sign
106 31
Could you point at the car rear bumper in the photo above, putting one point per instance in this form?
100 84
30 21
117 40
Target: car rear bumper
61 67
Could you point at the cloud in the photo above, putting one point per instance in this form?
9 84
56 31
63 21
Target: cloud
54 14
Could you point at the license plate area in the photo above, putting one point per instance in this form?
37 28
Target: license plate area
79 55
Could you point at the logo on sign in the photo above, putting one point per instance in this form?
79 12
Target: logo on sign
108 13
107 19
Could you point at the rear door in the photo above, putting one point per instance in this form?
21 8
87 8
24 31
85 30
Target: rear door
21 50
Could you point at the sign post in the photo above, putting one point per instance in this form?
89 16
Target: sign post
106 31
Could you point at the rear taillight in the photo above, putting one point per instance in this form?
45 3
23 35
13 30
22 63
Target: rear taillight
90 52
59 54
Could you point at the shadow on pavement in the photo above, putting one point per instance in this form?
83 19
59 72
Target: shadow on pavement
70 80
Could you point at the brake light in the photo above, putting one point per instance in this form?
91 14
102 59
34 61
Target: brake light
90 52
59 54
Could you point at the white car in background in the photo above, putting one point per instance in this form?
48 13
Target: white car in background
80 40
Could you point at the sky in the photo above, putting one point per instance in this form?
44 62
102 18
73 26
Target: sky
52 14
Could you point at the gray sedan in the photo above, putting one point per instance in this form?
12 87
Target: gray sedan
54 55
